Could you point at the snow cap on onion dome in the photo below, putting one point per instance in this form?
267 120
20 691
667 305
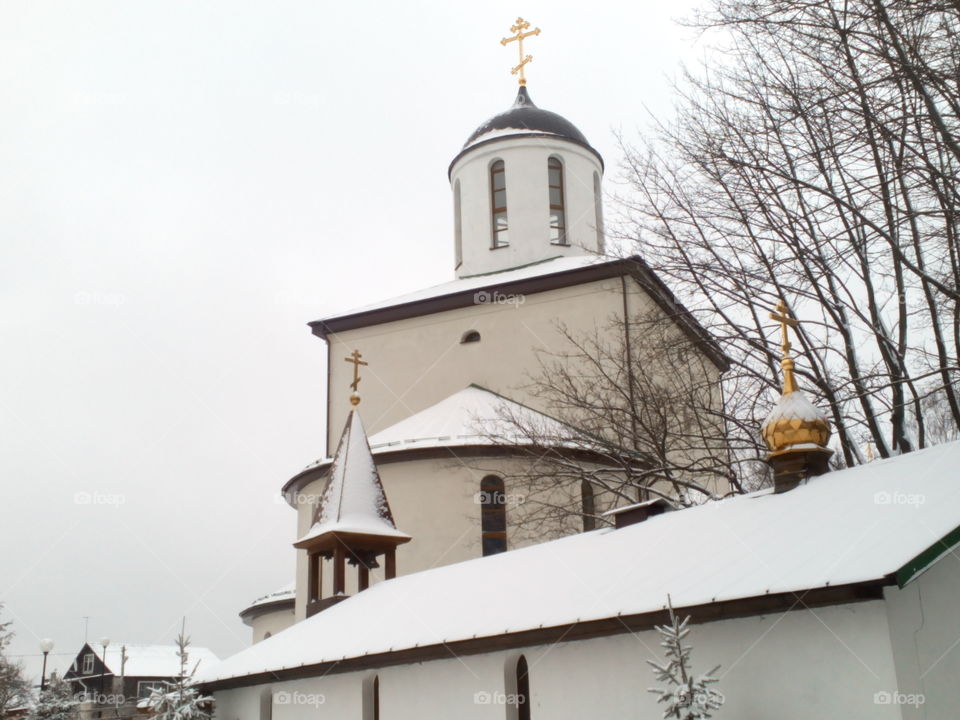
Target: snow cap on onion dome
796 431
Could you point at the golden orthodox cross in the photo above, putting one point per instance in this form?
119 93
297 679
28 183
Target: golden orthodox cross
357 362
782 316
519 35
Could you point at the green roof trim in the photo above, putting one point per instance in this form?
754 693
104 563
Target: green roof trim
925 559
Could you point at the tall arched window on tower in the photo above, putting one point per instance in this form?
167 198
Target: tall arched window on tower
498 204
457 228
558 219
523 689
598 210
493 515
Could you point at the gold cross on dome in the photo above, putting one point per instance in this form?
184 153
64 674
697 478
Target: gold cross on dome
519 35
357 362
782 316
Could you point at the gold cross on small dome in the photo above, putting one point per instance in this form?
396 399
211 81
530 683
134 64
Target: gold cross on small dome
519 35
357 362
782 316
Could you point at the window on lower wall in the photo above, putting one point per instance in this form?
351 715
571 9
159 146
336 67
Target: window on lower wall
470 336
371 698
266 704
493 515
523 689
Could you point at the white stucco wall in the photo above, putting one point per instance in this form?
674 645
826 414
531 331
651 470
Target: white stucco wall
826 663
417 362
924 622
528 207
272 622
436 501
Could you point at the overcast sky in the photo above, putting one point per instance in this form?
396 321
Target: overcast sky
183 186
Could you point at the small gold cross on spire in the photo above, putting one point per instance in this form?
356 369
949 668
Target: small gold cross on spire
519 35
357 362
782 316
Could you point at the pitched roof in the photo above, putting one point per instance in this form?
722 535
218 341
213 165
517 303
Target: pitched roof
353 500
883 522
472 416
152 660
287 592
549 274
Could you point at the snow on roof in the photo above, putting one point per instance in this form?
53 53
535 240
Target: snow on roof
848 526
353 499
472 416
475 282
287 592
507 132
153 660
794 405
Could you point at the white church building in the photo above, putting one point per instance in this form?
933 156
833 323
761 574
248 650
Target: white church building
829 595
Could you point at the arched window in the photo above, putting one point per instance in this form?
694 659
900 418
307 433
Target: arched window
457 227
498 204
558 219
267 635
523 689
266 704
371 698
598 210
493 515
589 506
470 336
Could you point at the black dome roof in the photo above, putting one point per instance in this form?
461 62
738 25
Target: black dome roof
526 118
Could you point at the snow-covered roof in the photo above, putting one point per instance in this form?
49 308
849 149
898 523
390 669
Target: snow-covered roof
153 660
353 500
287 591
850 526
476 282
472 416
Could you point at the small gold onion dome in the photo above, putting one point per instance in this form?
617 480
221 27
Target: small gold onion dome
795 423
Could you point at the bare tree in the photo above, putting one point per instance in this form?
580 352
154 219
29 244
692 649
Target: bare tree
14 688
816 160
632 411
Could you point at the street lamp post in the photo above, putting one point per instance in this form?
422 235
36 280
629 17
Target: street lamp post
103 661
46 645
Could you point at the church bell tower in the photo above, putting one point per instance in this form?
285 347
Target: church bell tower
526 186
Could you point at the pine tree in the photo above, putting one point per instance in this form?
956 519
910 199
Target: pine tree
687 697
179 700
55 702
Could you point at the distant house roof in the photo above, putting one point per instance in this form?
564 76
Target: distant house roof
842 535
148 660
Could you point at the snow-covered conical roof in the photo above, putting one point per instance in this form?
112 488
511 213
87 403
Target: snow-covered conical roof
353 501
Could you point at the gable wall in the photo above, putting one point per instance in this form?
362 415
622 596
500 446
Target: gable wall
924 622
